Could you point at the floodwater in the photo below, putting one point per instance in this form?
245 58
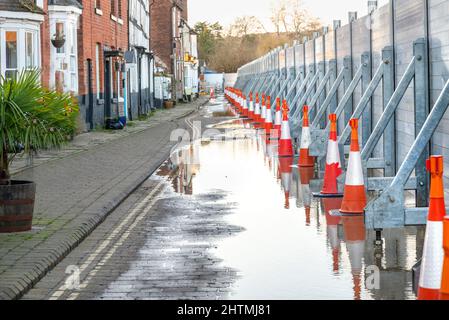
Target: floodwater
290 247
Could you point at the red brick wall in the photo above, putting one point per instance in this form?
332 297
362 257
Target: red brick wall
102 29
45 48
161 29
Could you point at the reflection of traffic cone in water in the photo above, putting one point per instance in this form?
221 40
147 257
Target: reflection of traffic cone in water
285 169
305 160
333 166
354 200
332 223
251 106
239 102
444 291
305 175
433 253
355 236
277 120
245 107
257 109
269 152
285 142
269 117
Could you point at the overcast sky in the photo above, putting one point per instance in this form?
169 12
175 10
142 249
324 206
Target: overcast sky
225 11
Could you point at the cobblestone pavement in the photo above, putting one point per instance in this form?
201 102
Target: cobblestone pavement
77 189
155 245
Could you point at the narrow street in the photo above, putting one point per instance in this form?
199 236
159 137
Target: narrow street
227 219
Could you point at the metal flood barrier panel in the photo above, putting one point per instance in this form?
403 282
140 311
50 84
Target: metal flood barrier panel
392 70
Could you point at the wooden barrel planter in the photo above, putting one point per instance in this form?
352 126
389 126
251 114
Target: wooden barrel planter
17 206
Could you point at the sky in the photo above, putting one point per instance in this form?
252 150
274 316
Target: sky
225 11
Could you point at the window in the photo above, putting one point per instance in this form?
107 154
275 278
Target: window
29 50
97 69
119 7
97 4
11 54
113 7
60 34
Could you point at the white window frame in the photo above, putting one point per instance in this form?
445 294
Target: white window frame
21 49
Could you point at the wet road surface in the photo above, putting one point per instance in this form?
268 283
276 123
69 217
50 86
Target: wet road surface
230 220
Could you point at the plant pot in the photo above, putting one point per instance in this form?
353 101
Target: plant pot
17 206
168 104
58 43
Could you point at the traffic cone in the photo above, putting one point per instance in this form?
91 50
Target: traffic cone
251 106
305 175
257 110
285 142
355 237
354 199
268 118
444 291
332 223
333 165
263 113
212 93
433 253
285 169
305 160
278 120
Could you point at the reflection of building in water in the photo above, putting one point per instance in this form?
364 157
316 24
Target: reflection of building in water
355 236
332 223
401 250
187 162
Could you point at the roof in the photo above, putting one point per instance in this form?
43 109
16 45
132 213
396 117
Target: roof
72 3
20 6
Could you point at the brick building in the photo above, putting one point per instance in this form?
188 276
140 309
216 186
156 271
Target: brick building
102 43
167 20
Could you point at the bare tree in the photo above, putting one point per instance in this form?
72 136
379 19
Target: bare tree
243 26
293 17
279 15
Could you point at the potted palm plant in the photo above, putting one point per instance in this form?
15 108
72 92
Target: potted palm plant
31 118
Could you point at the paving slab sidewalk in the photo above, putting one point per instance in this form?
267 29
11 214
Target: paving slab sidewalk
77 187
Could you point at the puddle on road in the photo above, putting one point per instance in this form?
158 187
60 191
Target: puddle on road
290 248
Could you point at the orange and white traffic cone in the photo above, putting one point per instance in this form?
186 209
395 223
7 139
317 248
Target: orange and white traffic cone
333 165
305 160
355 237
251 106
263 113
278 120
332 223
354 199
257 110
433 253
269 117
285 169
305 175
285 142
444 291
